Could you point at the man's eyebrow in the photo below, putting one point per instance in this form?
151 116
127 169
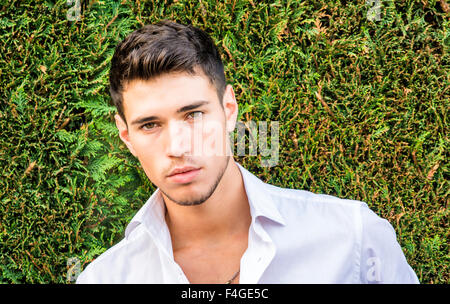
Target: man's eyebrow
192 106
142 120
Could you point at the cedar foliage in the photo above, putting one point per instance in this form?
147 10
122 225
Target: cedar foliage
362 107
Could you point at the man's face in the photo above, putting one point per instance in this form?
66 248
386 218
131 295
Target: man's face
175 123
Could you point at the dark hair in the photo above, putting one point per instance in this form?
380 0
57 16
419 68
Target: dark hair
160 48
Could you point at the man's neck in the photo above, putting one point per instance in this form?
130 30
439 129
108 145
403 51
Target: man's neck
225 215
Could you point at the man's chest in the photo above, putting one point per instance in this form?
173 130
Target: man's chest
212 264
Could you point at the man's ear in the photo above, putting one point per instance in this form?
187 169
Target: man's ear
230 107
123 133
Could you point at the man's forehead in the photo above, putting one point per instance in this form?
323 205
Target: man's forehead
189 83
168 93
173 76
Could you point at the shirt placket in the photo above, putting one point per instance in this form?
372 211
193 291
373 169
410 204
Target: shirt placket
172 272
258 256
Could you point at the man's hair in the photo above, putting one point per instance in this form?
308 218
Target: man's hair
161 48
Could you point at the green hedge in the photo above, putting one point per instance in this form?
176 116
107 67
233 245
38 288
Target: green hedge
362 104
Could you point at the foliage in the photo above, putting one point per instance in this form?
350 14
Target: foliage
363 109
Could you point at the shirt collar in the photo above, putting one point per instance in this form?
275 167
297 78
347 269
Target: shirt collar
260 199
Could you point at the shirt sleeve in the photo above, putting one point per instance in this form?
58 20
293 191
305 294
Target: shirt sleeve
382 259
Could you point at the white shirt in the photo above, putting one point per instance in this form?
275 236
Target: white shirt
295 236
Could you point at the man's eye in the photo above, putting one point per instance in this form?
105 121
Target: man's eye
195 115
149 126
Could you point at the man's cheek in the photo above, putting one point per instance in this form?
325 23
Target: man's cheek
146 159
154 174
213 139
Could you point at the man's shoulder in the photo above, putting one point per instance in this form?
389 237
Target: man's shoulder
325 214
101 267
114 263
294 203
297 198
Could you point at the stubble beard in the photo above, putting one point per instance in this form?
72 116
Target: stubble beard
200 200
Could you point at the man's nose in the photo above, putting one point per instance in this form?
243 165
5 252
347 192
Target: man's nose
179 139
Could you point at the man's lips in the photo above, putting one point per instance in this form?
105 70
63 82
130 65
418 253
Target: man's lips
183 175
179 170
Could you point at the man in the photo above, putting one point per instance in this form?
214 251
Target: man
210 220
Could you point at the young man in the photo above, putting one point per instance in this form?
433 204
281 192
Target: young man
210 220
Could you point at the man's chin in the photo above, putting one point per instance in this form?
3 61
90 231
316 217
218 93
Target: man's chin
187 200
191 195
